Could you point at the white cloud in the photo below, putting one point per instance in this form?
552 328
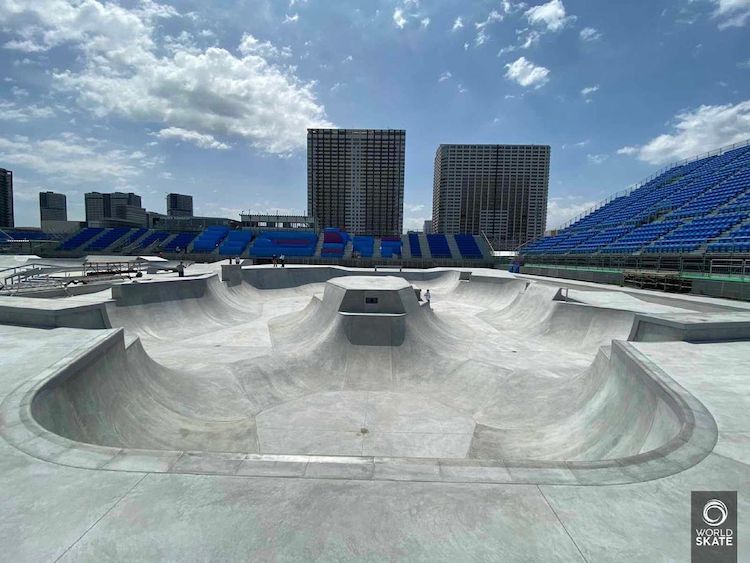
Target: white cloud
597 158
291 19
744 64
526 73
493 16
347 59
424 22
123 70
71 159
398 18
697 131
481 38
531 38
732 13
201 140
445 76
457 24
482 34
415 215
338 86
461 89
560 210
589 34
577 145
552 15
589 90
10 111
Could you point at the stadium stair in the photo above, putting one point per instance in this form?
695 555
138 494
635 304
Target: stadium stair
319 246
453 246
376 249
424 246
405 247
133 236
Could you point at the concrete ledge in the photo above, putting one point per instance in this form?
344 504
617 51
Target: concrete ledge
691 327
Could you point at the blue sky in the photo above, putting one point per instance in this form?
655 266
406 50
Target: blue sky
155 97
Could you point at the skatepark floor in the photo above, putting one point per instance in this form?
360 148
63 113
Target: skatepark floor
256 371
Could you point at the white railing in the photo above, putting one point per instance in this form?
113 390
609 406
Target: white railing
632 188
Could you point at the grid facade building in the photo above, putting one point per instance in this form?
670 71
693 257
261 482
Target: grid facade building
496 190
355 179
53 206
179 205
6 199
115 208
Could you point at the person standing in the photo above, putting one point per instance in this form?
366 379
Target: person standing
283 259
427 296
274 260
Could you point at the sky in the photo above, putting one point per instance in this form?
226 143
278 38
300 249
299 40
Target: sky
213 99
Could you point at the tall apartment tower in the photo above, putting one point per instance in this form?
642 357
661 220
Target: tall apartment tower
355 179
179 205
6 199
498 190
53 206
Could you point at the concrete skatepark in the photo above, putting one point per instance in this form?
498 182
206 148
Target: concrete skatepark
327 413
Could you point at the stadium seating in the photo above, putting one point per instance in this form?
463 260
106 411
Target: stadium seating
210 239
390 247
363 246
467 246
180 242
334 243
689 236
737 241
109 237
80 238
288 243
680 210
416 248
439 246
235 243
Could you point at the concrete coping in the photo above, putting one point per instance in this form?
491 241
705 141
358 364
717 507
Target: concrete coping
695 440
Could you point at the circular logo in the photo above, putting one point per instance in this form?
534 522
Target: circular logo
715 512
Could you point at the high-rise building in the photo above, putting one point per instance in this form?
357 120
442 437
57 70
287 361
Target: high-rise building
6 199
179 205
427 226
114 208
355 179
53 206
498 190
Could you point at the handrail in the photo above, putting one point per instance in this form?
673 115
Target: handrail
633 187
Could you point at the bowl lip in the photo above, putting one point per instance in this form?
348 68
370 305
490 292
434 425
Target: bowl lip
695 439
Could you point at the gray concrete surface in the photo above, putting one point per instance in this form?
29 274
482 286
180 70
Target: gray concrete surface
253 421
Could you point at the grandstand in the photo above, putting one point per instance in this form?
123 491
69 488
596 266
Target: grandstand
692 208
